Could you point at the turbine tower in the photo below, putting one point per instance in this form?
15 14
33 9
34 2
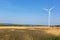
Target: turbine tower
49 15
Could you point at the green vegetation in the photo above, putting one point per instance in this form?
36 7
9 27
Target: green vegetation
57 38
26 25
57 25
25 34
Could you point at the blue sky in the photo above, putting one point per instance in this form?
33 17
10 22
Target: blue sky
29 12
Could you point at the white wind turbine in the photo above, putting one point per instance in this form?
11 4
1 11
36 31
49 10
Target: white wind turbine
49 15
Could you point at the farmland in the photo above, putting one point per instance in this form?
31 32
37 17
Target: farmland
29 33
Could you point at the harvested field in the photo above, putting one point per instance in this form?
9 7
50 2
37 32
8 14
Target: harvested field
28 33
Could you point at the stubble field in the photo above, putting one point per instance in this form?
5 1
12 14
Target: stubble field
29 33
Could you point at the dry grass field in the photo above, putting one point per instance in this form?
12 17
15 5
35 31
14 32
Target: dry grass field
53 30
28 33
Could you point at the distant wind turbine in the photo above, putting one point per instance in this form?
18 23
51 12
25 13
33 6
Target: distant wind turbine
49 14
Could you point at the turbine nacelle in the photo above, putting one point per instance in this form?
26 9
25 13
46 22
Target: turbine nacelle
49 9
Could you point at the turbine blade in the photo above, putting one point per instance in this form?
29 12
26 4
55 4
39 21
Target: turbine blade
51 8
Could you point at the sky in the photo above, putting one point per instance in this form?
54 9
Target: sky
29 12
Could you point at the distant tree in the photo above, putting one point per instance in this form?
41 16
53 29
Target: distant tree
57 25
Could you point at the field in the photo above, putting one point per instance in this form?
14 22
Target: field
29 33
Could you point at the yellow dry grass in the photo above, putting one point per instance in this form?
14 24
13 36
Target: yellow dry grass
51 30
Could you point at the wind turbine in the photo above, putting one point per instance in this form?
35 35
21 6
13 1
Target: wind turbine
49 15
